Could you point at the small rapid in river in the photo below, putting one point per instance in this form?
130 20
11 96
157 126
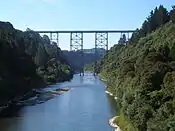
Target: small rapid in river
85 107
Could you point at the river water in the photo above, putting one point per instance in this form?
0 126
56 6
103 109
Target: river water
85 107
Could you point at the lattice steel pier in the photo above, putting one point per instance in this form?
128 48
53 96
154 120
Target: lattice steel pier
101 41
76 44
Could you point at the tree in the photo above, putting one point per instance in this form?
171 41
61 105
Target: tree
151 22
28 29
42 56
122 40
145 27
172 14
46 39
135 36
163 15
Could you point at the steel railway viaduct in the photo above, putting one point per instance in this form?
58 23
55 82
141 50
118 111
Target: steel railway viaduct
76 39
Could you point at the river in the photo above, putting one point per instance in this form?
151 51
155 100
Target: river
85 107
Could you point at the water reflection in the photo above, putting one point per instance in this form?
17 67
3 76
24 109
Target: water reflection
95 80
85 107
81 79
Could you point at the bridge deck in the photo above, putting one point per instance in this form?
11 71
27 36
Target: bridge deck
89 31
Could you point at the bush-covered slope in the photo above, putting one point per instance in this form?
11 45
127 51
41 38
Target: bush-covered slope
26 60
142 76
79 62
94 66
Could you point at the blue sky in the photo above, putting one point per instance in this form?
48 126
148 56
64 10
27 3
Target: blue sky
78 15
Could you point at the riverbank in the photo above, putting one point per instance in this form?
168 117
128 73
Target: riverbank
119 122
113 124
34 97
22 98
112 120
111 94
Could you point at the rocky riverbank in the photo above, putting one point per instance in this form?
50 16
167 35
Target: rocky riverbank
111 94
34 97
111 121
41 96
115 126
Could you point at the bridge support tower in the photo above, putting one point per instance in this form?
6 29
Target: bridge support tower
101 41
76 44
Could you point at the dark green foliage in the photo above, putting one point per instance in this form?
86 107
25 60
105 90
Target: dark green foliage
92 68
122 40
51 65
172 14
26 60
142 75
41 57
76 60
158 17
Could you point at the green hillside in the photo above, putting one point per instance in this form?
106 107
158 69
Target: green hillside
80 61
27 61
142 75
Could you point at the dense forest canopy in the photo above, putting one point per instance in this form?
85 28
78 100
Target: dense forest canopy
142 74
27 61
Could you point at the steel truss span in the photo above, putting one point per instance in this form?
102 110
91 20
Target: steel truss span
76 41
89 31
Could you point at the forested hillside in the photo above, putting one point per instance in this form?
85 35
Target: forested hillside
94 66
78 62
27 61
142 75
